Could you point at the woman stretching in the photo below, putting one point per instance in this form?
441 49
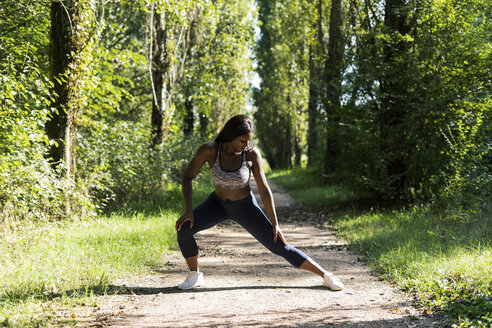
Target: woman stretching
231 158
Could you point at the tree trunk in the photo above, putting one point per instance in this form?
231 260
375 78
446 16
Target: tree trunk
315 102
333 74
203 120
312 137
188 117
193 59
297 142
394 88
60 127
67 41
157 72
60 59
286 152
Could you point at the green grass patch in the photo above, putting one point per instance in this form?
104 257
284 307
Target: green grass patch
306 187
53 260
48 265
444 259
447 263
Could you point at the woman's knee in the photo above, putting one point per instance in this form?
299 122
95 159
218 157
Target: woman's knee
286 251
278 248
185 230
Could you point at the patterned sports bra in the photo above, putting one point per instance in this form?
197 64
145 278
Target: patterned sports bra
232 180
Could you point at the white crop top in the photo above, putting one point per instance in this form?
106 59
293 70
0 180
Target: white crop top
232 180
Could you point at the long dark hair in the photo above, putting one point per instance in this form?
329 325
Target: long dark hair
237 126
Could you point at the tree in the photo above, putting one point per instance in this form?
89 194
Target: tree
333 85
60 126
394 84
69 39
317 56
159 63
283 65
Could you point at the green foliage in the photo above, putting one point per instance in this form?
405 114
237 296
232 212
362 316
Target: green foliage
459 296
29 188
218 65
117 163
121 170
461 97
416 107
23 32
440 133
120 88
111 99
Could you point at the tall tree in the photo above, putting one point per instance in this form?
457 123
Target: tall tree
315 102
169 43
59 127
71 44
333 85
394 84
69 56
159 63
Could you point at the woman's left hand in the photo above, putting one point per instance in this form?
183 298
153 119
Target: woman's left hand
278 233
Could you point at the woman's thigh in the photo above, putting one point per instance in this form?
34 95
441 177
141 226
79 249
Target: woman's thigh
207 214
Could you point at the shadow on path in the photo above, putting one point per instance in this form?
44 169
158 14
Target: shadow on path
174 290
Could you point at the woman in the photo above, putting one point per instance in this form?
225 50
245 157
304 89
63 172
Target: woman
231 159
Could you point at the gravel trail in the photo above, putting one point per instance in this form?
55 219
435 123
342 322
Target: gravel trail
246 286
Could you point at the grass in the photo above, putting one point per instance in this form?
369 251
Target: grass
51 265
304 185
445 260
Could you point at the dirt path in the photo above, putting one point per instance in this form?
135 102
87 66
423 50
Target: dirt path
246 286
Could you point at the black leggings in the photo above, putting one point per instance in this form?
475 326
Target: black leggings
245 212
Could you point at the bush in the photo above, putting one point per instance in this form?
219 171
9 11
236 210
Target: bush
119 166
29 188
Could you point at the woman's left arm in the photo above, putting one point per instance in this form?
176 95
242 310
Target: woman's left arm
265 193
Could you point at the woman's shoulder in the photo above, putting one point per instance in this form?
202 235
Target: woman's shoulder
208 148
253 153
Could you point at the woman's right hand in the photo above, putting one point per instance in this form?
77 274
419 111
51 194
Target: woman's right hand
187 216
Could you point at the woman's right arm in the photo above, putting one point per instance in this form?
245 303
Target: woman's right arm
201 156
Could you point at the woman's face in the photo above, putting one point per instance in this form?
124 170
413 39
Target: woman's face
242 142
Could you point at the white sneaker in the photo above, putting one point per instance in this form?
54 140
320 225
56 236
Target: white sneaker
194 279
332 282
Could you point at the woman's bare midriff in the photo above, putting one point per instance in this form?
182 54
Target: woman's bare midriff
232 195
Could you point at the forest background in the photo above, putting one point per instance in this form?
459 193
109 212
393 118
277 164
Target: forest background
103 102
